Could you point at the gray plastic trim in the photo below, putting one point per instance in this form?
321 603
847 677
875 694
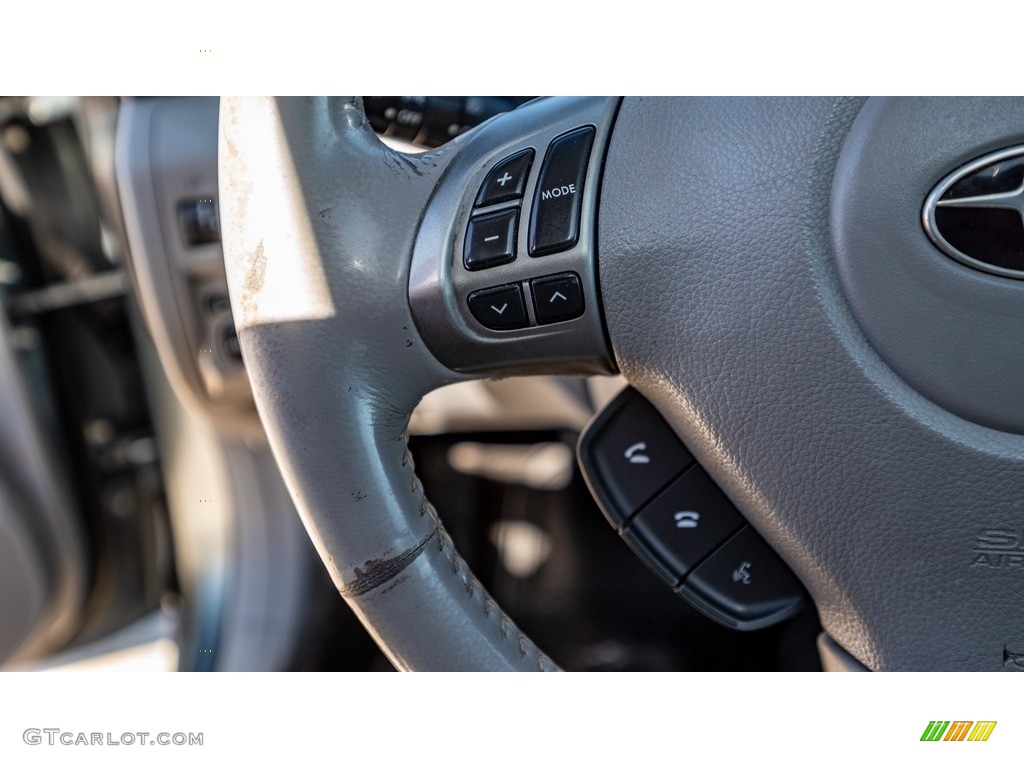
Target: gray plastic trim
439 284
243 561
166 150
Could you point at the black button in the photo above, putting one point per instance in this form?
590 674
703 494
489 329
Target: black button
744 584
683 525
199 221
229 341
557 298
500 309
217 303
507 180
628 454
555 221
491 240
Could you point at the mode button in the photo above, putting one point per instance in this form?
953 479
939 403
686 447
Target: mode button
555 219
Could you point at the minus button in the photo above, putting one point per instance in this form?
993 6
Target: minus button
491 240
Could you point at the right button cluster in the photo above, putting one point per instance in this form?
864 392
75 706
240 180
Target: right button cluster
677 520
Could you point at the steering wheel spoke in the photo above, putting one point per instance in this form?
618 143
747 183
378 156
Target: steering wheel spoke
504 269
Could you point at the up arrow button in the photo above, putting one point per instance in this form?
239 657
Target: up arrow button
557 298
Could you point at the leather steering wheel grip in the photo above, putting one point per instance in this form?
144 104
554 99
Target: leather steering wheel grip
319 219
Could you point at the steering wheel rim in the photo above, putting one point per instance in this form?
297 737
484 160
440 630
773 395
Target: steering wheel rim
721 219
298 292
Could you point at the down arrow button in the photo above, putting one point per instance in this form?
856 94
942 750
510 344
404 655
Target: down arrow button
500 309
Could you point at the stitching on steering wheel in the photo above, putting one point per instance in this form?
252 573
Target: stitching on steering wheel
460 570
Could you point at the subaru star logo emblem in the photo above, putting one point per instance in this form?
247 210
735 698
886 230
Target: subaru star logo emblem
976 214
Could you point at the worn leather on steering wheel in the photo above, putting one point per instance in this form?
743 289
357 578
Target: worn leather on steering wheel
318 276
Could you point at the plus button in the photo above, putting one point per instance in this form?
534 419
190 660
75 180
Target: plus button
505 180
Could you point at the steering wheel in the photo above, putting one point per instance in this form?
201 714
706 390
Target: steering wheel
756 268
